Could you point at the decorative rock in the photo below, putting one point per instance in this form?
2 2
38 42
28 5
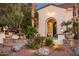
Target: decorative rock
76 49
17 47
15 37
42 51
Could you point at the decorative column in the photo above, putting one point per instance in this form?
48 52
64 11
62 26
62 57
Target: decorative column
33 13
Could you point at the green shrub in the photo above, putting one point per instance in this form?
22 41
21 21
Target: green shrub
39 40
36 43
33 44
29 31
48 41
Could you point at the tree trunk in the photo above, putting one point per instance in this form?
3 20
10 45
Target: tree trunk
76 17
33 13
67 27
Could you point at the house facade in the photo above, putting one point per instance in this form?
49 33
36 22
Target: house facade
50 19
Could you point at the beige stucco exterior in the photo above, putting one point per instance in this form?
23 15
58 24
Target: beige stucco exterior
57 13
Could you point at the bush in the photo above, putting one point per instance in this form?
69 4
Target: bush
39 40
36 43
48 41
33 44
29 31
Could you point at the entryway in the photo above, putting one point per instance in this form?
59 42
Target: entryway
51 27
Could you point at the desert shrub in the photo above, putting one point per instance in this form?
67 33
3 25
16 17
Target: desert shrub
29 31
39 40
48 41
36 42
32 45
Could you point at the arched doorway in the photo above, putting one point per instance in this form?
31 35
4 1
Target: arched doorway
51 27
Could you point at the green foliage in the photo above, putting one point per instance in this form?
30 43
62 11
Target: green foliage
32 45
27 15
40 40
48 41
15 14
66 24
36 42
29 31
11 15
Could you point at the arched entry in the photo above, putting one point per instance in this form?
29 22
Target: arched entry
51 27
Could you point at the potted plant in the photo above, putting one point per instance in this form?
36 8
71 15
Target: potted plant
66 24
67 31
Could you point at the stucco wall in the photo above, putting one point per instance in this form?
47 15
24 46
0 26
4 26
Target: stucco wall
60 14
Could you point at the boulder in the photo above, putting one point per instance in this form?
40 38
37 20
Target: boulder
17 47
42 51
76 49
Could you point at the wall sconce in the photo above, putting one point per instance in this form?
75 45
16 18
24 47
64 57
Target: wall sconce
62 30
50 13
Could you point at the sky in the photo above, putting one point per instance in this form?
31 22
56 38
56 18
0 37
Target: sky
39 5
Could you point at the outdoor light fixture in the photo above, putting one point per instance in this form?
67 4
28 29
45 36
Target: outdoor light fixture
50 13
62 30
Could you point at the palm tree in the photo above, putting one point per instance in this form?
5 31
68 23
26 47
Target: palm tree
66 24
